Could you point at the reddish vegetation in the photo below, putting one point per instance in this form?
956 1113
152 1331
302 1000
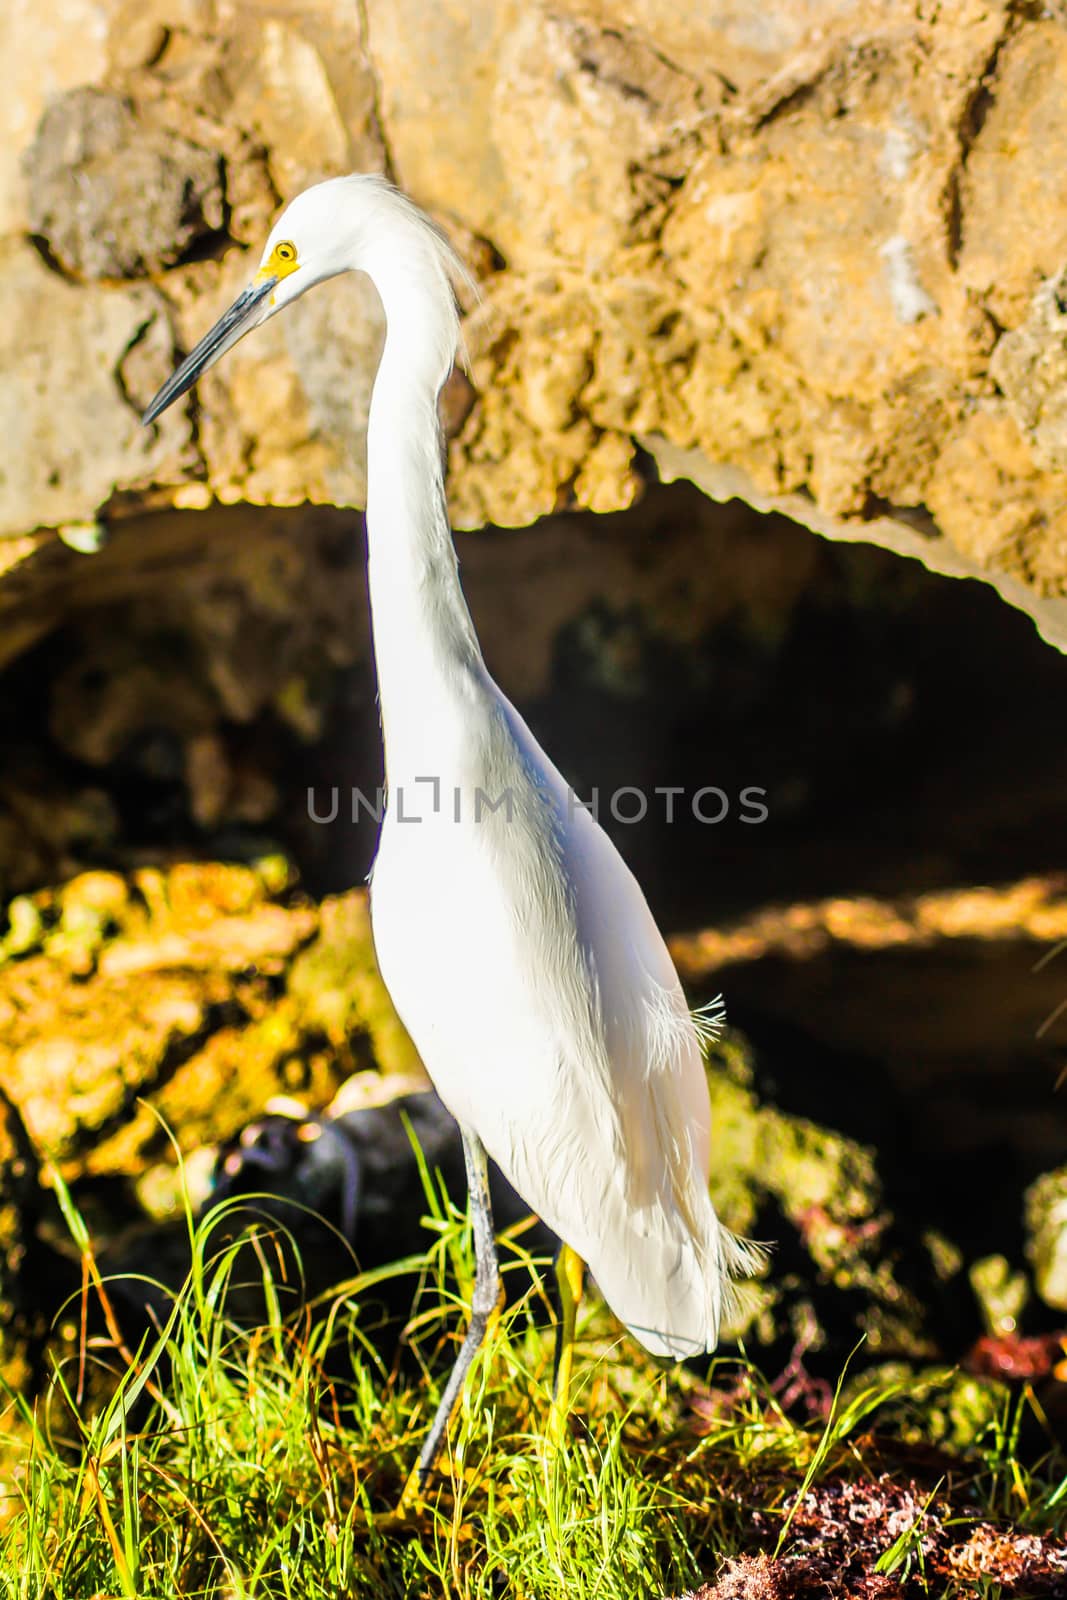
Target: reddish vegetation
1011 1355
763 1578
842 1530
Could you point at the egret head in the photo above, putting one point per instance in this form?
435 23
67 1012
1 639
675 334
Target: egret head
356 223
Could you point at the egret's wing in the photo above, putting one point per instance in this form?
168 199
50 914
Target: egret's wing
525 963
628 1183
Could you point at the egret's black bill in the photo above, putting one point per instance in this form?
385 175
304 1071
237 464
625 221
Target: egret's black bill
240 318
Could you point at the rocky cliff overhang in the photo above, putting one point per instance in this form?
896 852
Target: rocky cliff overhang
811 257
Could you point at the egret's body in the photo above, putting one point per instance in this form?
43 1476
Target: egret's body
516 944
527 968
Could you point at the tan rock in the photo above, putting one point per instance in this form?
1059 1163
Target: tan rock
803 244
201 992
51 49
1030 367
1013 221
70 435
434 101
111 198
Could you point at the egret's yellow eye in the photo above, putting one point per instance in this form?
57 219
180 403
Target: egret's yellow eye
281 261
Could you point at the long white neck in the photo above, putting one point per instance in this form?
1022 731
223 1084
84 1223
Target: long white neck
424 639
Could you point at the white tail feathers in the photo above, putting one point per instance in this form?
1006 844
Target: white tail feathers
709 1021
671 1286
739 1259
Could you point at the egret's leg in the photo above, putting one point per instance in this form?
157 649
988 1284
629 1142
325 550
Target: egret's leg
485 1307
570 1274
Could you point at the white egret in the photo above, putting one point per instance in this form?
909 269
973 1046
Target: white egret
516 944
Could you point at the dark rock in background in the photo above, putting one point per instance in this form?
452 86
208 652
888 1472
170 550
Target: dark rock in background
322 1199
111 198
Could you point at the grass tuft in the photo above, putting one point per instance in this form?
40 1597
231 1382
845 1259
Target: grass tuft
248 1464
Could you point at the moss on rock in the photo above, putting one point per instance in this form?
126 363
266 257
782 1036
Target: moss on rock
840 1266
186 997
1046 1222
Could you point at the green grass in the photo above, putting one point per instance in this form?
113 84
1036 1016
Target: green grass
269 1460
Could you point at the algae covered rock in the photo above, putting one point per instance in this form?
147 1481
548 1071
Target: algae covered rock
842 1265
1046 1222
182 998
157 1006
1002 1294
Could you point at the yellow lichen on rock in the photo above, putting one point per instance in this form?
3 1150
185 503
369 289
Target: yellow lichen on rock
183 998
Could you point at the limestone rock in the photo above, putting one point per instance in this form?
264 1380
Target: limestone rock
56 49
1033 912
170 152
70 433
1030 366
803 247
198 649
191 996
110 198
960 992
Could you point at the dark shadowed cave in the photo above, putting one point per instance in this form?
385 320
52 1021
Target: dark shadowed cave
204 685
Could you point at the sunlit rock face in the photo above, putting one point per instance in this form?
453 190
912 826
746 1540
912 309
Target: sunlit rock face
816 248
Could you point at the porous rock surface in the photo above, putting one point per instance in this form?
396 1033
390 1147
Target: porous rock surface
181 1000
805 253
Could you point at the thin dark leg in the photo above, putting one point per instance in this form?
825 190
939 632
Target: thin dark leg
485 1304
